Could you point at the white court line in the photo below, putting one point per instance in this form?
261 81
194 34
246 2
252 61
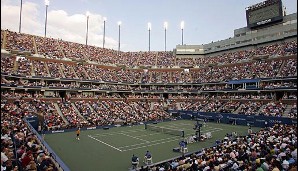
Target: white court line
210 129
127 131
213 130
117 133
105 143
218 129
151 144
186 128
149 134
182 124
135 137
175 126
143 135
173 139
146 143
189 124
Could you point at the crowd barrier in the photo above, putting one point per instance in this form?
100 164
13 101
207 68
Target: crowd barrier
61 166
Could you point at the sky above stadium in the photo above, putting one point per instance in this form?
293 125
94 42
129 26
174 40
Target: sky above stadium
204 21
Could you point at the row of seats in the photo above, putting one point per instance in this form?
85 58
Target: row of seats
66 114
278 67
21 150
14 81
58 49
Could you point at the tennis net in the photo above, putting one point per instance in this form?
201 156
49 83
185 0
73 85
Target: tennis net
165 130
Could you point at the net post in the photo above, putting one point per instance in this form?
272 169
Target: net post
145 126
182 133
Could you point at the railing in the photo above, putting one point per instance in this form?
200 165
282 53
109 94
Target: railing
61 166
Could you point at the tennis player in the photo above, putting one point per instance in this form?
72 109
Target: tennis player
78 133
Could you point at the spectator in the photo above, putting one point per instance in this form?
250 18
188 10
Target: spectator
148 158
134 161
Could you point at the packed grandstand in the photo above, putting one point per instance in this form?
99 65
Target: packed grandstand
67 84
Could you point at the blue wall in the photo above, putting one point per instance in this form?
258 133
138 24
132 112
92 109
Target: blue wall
255 120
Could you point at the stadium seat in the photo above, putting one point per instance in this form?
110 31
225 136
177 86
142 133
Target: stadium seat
190 140
184 150
208 135
148 160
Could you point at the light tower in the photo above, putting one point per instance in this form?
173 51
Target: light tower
119 26
182 28
149 29
47 3
165 25
104 32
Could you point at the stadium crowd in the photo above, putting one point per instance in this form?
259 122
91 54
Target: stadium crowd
21 150
270 149
59 49
273 148
257 69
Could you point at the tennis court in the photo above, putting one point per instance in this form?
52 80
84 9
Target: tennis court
112 149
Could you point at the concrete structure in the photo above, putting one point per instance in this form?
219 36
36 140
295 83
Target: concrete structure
244 38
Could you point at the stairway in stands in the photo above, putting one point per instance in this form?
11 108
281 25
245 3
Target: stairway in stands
287 110
4 39
60 113
78 112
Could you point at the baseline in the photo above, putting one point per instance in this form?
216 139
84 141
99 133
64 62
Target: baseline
105 143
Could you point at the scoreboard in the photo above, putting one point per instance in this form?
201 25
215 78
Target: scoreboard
264 13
